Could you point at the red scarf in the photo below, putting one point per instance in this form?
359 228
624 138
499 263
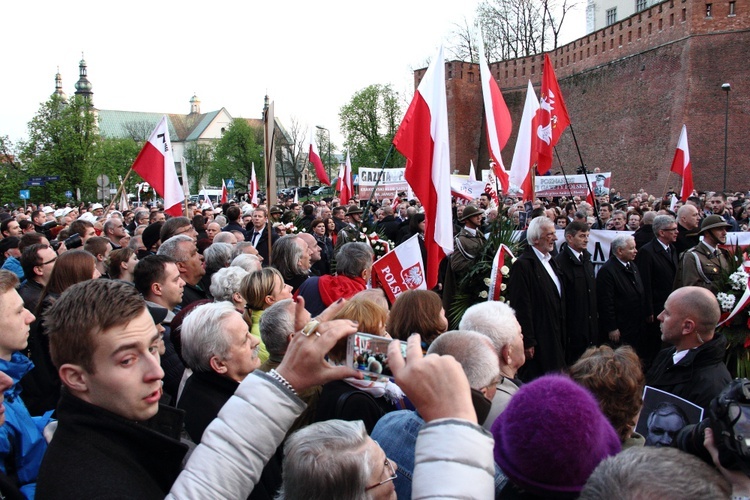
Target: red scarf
333 288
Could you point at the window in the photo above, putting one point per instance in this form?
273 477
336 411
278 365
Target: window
731 9
640 5
709 7
611 16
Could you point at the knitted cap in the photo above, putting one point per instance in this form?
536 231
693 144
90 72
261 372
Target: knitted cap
151 234
552 436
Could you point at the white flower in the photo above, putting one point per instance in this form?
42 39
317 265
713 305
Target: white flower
503 286
726 301
738 280
504 270
487 281
483 294
513 261
502 299
373 234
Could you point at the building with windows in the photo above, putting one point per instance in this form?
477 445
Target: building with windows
602 13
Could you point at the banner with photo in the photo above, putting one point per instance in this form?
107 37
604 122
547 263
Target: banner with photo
550 186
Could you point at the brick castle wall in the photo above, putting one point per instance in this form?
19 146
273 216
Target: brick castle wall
629 88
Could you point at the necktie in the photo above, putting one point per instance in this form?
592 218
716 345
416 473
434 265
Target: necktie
255 237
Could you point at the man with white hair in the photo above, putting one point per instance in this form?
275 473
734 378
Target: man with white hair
396 432
622 297
497 321
536 292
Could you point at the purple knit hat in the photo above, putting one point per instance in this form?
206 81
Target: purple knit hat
552 436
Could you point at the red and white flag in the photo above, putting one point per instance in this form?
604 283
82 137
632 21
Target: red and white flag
253 188
346 189
553 117
524 156
496 275
422 138
681 165
224 195
401 269
155 164
497 117
314 158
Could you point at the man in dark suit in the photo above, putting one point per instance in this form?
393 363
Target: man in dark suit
688 222
579 282
657 262
257 233
536 292
621 298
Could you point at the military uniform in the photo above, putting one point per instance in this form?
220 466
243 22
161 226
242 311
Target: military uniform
699 266
467 249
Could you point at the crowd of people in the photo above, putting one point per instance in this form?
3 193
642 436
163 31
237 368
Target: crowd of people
207 355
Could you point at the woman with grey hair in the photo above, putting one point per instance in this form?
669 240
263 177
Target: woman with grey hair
216 256
225 286
336 460
291 256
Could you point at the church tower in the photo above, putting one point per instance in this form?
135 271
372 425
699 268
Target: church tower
83 86
58 86
195 105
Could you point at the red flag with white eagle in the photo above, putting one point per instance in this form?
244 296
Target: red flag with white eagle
155 164
422 138
681 165
314 158
401 269
497 118
553 117
499 269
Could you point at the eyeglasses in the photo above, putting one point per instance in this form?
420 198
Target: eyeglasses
389 465
49 261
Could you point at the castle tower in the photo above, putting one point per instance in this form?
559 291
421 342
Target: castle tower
58 86
83 86
195 105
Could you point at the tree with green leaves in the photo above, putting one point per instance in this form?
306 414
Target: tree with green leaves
62 141
12 173
369 121
237 150
198 158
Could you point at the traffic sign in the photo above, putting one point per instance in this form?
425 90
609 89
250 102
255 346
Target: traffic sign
36 179
230 183
68 194
52 178
24 194
35 183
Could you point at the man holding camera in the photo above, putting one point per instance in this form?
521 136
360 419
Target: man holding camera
694 367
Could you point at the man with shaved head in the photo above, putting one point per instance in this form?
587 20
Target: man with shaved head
693 368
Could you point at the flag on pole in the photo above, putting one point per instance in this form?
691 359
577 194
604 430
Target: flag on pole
124 205
155 164
422 138
497 117
553 117
681 165
496 275
296 195
314 158
472 173
346 189
524 156
401 269
253 188
223 192
206 198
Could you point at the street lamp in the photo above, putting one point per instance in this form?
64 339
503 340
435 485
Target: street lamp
726 88
329 149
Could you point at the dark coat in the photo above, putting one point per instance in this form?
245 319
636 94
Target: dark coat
643 235
390 227
622 302
581 314
685 239
235 226
31 292
657 272
262 244
204 395
97 454
192 293
41 386
699 377
339 400
541 312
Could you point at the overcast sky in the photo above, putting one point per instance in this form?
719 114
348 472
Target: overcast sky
309 57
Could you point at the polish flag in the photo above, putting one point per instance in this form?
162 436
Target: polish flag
497 117
224 194
553 117
314 158
253 188
401 269
346 190
681 165
524 155
155 164
422 138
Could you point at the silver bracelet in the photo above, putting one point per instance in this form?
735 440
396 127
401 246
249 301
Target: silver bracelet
277 376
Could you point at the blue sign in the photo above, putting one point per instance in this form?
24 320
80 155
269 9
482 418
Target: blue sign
68 194
32 182
52 178
36 179
24 194
230 183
